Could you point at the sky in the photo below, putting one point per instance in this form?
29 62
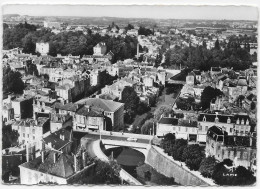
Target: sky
130 11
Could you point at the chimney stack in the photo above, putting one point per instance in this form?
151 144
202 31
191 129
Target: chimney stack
84 159
75 163
27 152
54 157
42 155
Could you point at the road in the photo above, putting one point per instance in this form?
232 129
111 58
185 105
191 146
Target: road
79 135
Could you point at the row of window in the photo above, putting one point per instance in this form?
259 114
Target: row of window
28 136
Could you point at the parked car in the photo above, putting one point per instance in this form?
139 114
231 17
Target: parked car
132 139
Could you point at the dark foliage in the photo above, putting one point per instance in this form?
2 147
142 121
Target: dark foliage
207 95
192 155
12 82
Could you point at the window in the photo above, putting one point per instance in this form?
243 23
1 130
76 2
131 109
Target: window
231 129
33 131
206 128
200 127
173 128
23 135
179 128
28 135
33 137
186 129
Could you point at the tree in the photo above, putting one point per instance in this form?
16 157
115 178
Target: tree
162 110
185 104
142 108
129 27
105 173
207 95
207 166
193 156
9 136
167 142
130 98
12 81
177 150
148 127
217 45
232 177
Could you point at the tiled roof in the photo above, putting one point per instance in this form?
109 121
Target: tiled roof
69 106
211 117
168 120
88 112
63 167
216 133
106 105
55 139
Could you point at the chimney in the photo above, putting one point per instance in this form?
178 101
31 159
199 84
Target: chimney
84 159
27 152
33 152
250 141
42 155
54 157
75 163
62 136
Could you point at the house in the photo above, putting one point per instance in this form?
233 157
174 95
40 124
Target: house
54 167
7 112
240 149
89 118
113 111
42 48
242 125
71 88
42 105
23 107
68 108
100 49
61 140
132 32
182 128
117 87
166 125
58 121
31 131
207 120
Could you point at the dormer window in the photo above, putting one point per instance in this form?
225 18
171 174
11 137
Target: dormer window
247 122
228 120
204 118
216 119
243 122
237 121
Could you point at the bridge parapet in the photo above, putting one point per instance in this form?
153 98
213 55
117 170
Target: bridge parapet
125 143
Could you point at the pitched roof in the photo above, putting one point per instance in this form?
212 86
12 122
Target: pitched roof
89 112
168 120
55 139
106 105
211 117
63 167
69 106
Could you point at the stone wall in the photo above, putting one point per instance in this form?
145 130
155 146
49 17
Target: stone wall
169 168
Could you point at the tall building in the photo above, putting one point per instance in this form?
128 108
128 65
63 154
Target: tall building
42 48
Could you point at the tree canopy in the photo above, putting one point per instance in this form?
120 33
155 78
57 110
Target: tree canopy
207 95
12 81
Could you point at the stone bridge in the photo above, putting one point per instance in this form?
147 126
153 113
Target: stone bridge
141 147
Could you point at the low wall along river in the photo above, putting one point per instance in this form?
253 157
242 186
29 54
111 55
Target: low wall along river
169 168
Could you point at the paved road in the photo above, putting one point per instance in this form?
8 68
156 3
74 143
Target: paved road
79 135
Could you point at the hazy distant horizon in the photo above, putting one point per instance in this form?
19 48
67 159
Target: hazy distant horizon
245 13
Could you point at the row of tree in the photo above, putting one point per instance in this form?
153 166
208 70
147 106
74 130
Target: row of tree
203 59
194 158
179 149
76 43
